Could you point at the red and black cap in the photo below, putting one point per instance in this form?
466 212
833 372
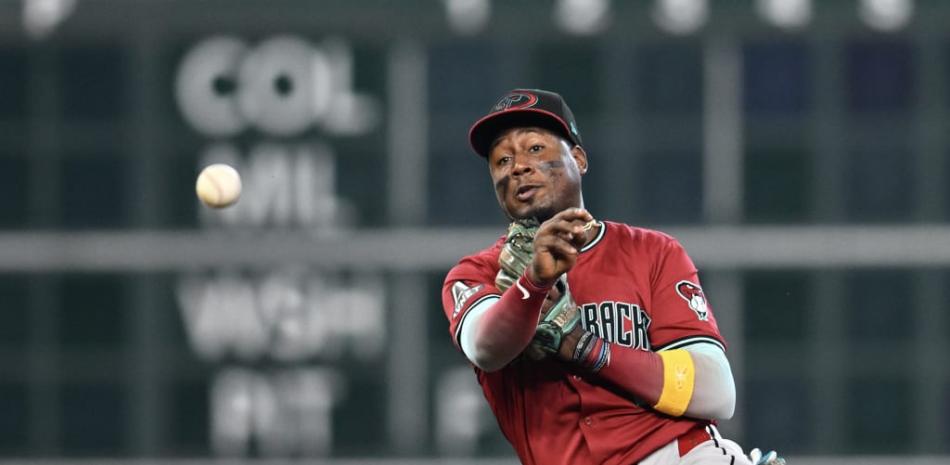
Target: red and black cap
524 108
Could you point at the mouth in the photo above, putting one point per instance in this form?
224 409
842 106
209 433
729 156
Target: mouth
526 192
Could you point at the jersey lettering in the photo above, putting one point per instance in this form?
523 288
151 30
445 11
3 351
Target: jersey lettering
589 314
620 323
624 333
641 322
607 321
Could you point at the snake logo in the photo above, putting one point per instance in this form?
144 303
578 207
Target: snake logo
693 295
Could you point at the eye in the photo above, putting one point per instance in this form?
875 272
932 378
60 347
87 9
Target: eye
536 148
503 160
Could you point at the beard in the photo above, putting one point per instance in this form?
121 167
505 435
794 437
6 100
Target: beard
541 212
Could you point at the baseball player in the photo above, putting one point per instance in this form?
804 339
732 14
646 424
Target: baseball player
592 340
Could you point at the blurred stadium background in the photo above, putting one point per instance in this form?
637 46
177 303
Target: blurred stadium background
798 148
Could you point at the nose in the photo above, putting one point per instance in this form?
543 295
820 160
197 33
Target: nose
523 165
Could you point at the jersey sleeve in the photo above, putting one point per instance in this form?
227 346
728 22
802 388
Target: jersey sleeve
681 314
468 284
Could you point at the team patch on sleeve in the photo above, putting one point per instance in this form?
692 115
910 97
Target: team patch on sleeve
693 295
461 293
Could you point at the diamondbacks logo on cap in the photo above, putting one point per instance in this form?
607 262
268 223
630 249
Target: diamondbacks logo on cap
693 295
515 100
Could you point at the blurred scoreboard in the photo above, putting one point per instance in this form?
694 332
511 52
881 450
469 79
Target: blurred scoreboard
348 122
105 127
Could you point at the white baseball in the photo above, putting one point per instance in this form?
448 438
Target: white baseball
218 185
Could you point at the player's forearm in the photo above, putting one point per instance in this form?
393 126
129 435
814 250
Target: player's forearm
500 332
690 383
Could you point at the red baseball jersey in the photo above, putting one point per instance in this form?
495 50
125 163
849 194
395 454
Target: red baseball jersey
636 288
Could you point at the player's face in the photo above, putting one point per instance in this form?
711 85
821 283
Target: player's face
536 173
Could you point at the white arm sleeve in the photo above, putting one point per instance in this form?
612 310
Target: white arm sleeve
467 337
714 391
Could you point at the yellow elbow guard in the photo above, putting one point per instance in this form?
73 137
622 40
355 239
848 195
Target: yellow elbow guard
679 374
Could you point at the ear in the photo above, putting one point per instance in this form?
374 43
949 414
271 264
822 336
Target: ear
580 157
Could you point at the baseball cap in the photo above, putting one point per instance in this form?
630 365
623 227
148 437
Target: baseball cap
524 108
